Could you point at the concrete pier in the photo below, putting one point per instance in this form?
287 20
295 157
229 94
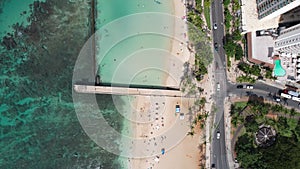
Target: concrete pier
98 89
126 91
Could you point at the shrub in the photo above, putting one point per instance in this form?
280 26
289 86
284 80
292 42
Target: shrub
238 52
255 70
226 2
247 79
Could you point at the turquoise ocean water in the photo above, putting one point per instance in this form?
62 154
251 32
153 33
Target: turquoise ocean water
134 58
38 125
129 61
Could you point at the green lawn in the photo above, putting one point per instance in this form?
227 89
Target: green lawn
228 61
292 123
207 12
240 104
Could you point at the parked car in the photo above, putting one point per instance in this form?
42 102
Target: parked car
276 98
260 78
218 135
181 117
244 86
249 87
239 86
177 108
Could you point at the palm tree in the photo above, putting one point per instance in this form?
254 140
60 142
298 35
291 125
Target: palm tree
202 102
201 90
285 111
264 110
241 119
202 125
234 121
281 108
293 112
206 115
191 133
273 108
247 70
199 117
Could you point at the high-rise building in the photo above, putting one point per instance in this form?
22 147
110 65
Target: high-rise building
289 40
268 9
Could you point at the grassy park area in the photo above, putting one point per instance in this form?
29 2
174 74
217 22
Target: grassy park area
282 153
199 41
207 12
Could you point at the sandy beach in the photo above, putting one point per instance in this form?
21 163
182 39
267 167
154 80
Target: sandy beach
155 119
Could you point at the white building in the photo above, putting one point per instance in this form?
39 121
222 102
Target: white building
268 9
289 40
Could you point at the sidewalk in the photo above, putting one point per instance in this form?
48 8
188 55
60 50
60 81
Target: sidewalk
272 83
227 120
209 120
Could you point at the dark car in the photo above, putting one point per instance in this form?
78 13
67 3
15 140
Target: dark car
213 166
216 46
177 108
239 86
260 78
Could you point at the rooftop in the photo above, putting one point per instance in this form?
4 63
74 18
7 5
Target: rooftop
250 21
260 48
265 136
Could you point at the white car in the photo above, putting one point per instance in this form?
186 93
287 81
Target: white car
218 86
215 26
181 117
218 135
277 99
249 87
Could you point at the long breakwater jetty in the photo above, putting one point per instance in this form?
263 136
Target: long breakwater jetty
126 91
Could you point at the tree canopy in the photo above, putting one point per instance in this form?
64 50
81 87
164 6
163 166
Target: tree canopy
281 155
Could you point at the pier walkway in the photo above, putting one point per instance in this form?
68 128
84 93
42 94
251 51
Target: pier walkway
127 91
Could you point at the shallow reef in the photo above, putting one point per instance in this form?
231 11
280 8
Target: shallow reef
39 127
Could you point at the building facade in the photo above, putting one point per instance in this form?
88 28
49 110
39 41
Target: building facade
268 9
289 40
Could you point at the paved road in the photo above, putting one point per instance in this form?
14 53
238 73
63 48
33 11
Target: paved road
218 148
218 153
218 34
218 145
261 89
